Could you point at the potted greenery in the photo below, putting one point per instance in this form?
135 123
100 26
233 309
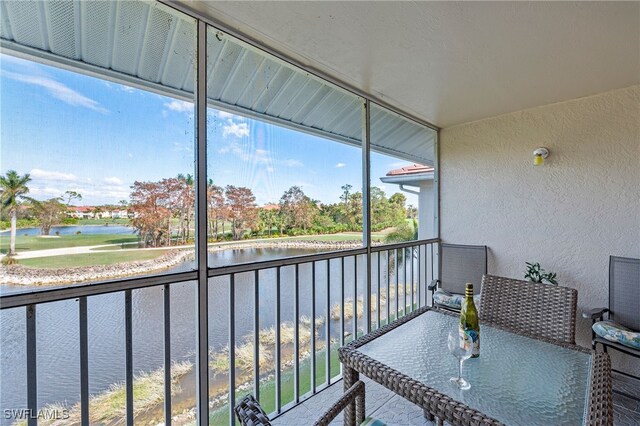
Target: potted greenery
536 274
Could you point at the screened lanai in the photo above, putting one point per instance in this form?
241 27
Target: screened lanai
149 45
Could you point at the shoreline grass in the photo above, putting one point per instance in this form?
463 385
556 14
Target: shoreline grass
109 407
267 387
90 259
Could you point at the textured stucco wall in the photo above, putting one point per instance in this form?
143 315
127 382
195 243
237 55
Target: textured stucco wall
571 213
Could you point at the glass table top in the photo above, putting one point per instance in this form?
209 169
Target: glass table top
516 380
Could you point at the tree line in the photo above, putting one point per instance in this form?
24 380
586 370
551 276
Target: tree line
163 212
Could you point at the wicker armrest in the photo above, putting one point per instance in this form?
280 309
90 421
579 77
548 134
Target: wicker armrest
433 285
594 313
354 392
250 413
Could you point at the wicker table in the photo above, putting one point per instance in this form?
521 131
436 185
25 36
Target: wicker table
517 379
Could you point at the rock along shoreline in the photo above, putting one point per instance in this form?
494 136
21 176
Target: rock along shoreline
26 276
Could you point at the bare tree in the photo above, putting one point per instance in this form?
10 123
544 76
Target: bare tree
297 209
216 209
151 204
49 213
242 209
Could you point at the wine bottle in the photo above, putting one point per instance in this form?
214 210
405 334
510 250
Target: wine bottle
469 326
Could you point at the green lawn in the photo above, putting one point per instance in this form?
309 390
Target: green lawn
36 242
267 389
90 259
347 236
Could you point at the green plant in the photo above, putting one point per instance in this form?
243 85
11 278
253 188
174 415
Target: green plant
9 260
536 274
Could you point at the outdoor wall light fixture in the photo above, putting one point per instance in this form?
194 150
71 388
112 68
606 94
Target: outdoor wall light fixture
539 155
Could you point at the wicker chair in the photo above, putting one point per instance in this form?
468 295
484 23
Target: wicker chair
623 310
539 310
250 413
458 265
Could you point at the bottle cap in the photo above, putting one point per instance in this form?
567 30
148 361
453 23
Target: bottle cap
469 289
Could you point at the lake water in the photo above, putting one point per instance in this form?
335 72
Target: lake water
71 230
57 325
58 335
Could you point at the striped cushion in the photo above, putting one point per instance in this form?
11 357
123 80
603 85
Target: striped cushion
617 333
452 300
370 421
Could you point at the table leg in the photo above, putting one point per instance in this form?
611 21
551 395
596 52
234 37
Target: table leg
349 377
360 409
428 416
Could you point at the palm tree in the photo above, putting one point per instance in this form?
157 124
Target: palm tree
13 187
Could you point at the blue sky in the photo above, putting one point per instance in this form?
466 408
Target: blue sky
75 132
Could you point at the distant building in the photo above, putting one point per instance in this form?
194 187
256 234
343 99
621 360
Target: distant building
98 212
119 214
81 212
420 177
270 207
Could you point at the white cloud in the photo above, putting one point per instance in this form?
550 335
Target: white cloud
48 175
258 156
179 106
57 90
270 169
46 191
113 180
236 129
94 190
340 165
292 163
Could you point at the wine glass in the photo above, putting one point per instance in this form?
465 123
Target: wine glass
461 347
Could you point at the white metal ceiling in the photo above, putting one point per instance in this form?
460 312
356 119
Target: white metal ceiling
150 45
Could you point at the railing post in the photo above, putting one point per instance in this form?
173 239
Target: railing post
167 354
313 327
296 336
128 349
278 344
419 286
355 298
395 265
341 302
327 324
256 335
84 361
232 349
32 373
388 304
378 294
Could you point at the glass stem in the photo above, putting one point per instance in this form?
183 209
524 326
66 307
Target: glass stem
460 370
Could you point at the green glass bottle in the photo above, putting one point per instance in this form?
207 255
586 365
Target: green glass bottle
469 320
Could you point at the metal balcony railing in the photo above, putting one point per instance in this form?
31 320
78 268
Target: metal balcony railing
395 271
